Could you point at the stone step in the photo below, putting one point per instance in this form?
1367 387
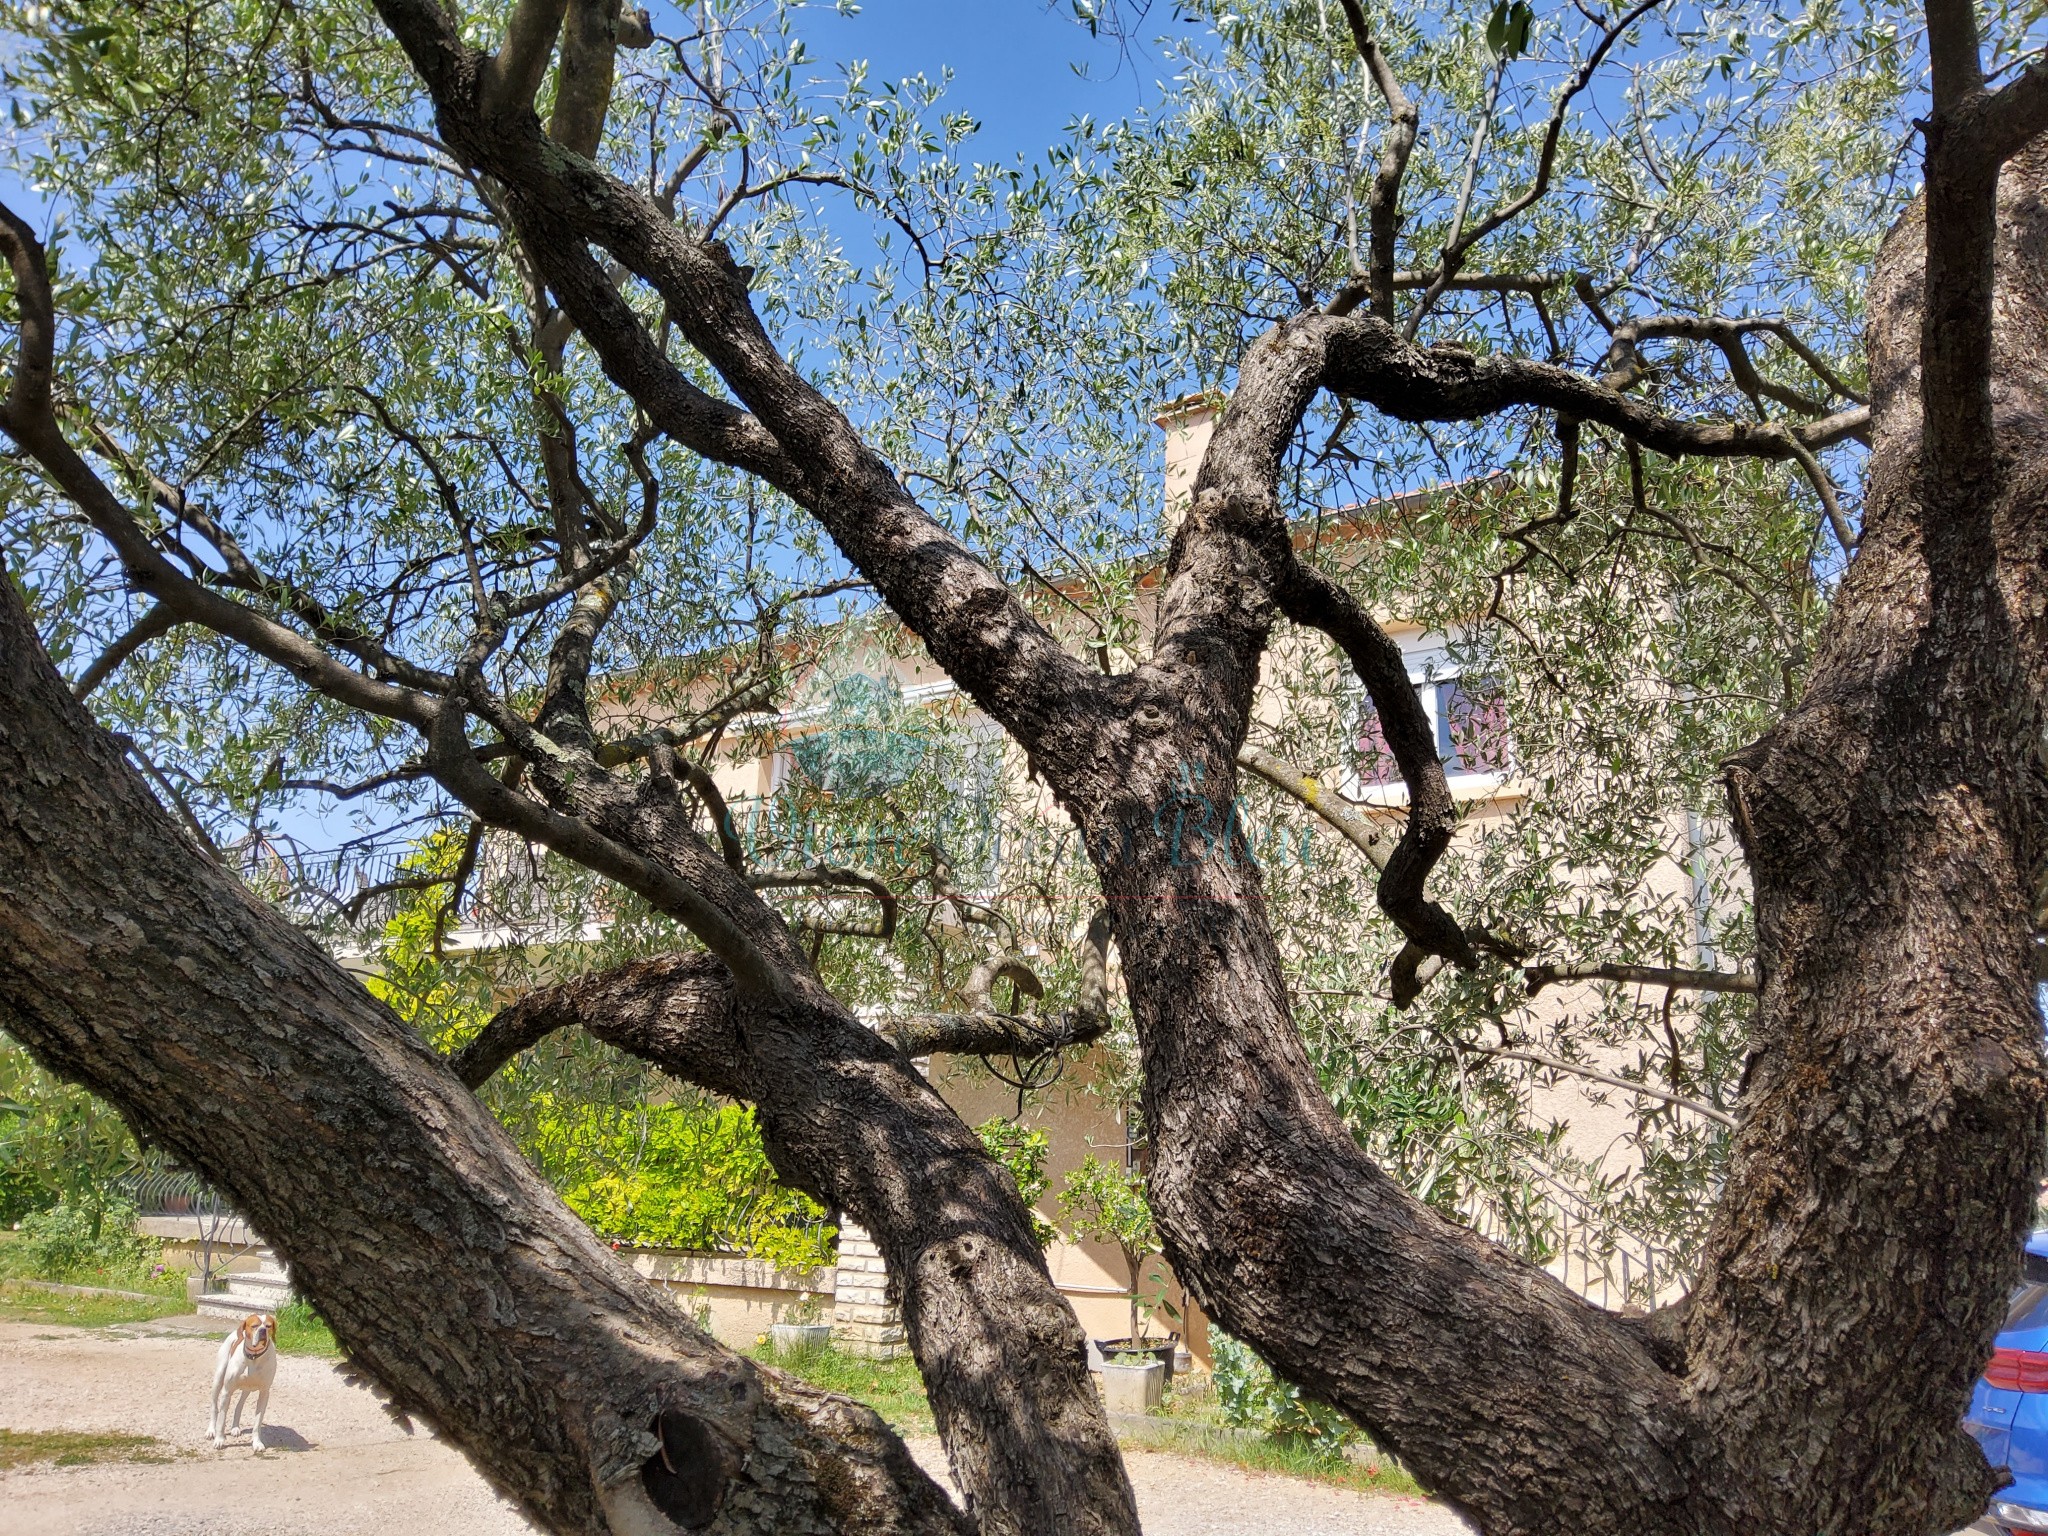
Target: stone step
255 1286
221 1304
265 1288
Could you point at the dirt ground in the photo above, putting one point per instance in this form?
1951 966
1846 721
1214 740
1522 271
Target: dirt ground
338 1466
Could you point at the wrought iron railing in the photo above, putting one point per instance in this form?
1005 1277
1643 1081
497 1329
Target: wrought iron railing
359 890
1586 1247
162 1190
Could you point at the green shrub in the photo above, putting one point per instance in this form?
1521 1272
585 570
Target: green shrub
637 1165
1252 1397
82 1247
57 1142
679 1176
1023 1153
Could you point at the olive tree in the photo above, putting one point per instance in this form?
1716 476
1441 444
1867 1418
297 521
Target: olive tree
339 430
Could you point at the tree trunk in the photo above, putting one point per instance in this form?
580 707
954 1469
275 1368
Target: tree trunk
1529 1408
1883 1176
450 1273
1893 1123
1003 1357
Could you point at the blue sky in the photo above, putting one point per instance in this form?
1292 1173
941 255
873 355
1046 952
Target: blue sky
1013 61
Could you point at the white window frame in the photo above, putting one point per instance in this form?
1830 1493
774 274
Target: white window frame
1429 664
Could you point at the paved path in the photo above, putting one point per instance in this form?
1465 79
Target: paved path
342 1468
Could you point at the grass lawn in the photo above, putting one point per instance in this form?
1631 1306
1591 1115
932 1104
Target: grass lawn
1286 1455
893 1389
75 1448
302 1331
26 1304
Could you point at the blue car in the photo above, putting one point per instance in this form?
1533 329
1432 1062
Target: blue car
2009 1409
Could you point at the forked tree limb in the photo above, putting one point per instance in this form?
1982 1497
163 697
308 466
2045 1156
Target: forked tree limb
1032 1448
226 1036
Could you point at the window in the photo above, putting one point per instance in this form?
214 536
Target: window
1466 712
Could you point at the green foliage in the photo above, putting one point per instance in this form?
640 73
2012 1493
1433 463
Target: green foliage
1106 1202
57 1143
679 1176
82 1245
1252 1397
1022 1151
21 1303
302 1331
642 1159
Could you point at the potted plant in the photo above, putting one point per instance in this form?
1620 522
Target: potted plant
800 1332
1107 1203
1134 1381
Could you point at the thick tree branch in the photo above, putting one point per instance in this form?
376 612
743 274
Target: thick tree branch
1547 975
1309 597
1001 1353
696 1000
2007 120
188 1004
696 1004
455 766
1369 361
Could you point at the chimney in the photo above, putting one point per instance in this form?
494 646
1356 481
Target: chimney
1187 423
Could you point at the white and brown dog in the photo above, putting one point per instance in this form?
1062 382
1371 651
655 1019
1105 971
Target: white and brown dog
247 1364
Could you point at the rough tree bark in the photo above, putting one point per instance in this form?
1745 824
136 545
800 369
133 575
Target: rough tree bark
1531 1409
450 1273
1894 826
1895 821
847 1117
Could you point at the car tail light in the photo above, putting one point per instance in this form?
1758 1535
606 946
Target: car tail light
2018 1370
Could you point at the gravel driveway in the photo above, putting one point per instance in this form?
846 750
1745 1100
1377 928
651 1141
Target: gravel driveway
340 1467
